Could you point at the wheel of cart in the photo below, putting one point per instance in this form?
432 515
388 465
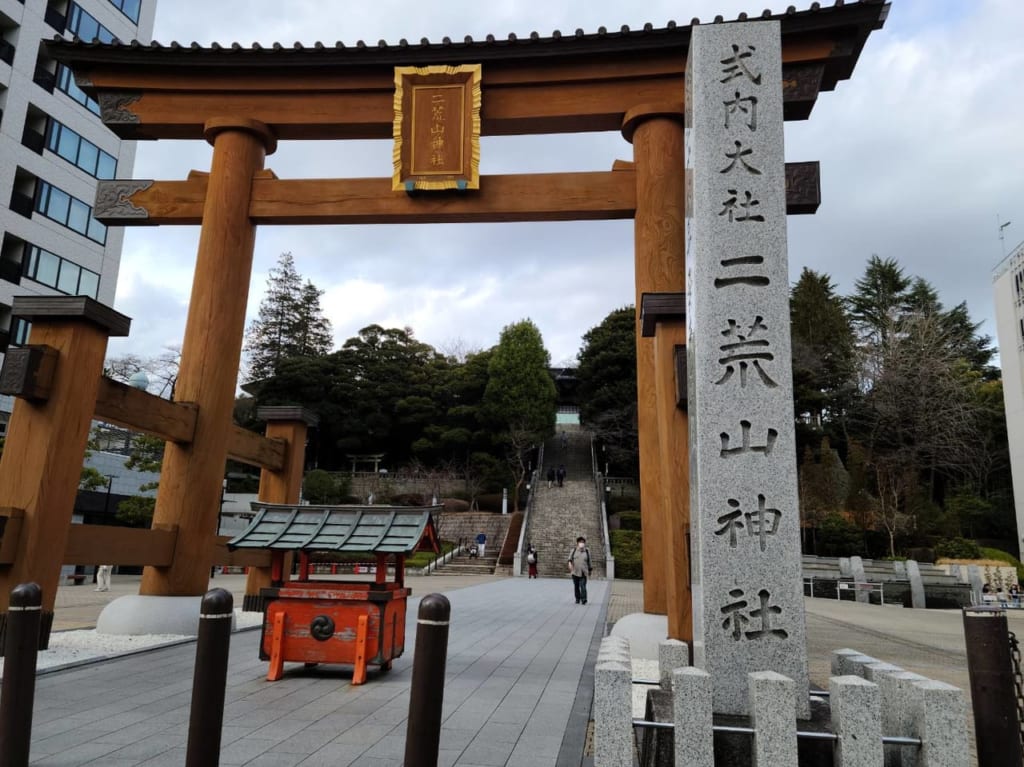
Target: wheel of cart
356 622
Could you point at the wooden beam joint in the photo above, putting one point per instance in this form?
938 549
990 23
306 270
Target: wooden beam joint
660 307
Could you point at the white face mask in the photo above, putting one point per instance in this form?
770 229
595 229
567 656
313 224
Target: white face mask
581 546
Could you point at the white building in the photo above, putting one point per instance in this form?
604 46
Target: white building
53 148
1008 283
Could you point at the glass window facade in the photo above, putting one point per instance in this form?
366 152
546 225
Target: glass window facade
66 276
61 140
85 26
59 206
129 8
66 82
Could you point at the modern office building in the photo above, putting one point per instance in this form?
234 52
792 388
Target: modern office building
1008 283
53 148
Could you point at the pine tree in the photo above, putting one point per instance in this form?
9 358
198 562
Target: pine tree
290 322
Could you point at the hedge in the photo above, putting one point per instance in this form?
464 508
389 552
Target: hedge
628 554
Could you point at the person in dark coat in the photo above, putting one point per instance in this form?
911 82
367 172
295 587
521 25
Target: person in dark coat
560 475
551 476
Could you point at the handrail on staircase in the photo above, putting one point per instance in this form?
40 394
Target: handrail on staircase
517 558
609 567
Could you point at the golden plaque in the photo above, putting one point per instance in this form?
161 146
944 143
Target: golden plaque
437 128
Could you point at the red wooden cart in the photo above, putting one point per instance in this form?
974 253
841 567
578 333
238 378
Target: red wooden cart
358 622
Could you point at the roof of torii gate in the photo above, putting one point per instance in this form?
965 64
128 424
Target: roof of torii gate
821 46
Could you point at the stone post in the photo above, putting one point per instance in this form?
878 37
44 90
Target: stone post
917 593
748 589
691 707
192 477
613 715
940 720
859 576
857 720
672 655
771 714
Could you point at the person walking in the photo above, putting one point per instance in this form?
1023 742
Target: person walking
579 568
551 476
531 561
481 542
560 475
103 577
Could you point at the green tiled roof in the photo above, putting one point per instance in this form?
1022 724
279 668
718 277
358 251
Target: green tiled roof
375 529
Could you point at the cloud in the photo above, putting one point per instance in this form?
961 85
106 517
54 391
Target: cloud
919 151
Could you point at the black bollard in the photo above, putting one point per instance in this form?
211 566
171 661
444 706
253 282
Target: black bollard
21 646
210 679
993 697
423 733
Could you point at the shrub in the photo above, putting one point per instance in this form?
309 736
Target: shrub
629 520
1002 556
627 550
958 548
838 537
617 503
491 501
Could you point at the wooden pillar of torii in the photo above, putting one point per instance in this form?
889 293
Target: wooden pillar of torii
192 474
656 132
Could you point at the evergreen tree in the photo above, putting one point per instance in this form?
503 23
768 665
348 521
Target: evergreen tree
880 299
824 354
607 386
520 398
290 322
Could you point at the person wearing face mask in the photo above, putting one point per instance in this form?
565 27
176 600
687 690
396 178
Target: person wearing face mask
579 567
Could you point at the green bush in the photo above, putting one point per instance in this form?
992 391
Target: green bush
1003 556
617 503
838 537
957 548
627 550
629 520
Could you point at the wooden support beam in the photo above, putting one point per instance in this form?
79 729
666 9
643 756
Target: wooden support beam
133 408
88 544
256 450
520 197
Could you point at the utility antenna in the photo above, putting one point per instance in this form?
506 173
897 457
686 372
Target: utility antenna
1002 239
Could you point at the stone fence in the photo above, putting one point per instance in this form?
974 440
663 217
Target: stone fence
874 706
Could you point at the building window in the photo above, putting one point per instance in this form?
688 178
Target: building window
19 331
61 140
66 82
59 206
66 276
86 27
129 8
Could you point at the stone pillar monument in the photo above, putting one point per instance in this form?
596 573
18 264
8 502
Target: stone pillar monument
747 593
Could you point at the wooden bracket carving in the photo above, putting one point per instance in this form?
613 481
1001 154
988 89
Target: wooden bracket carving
28 372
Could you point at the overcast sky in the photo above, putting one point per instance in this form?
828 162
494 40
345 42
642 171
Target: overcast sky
919 151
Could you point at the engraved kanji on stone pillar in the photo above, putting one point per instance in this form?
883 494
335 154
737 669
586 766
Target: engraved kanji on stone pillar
748 595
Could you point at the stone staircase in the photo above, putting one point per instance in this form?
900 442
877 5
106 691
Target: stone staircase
561 514
463 564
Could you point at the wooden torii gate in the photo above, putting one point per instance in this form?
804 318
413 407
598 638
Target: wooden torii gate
244 100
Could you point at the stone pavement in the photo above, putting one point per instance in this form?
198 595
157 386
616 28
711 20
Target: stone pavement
519 682
517 692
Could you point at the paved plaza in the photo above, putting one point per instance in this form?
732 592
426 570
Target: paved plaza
517 656
518 691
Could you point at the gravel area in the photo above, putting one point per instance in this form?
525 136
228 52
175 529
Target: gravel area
74 648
